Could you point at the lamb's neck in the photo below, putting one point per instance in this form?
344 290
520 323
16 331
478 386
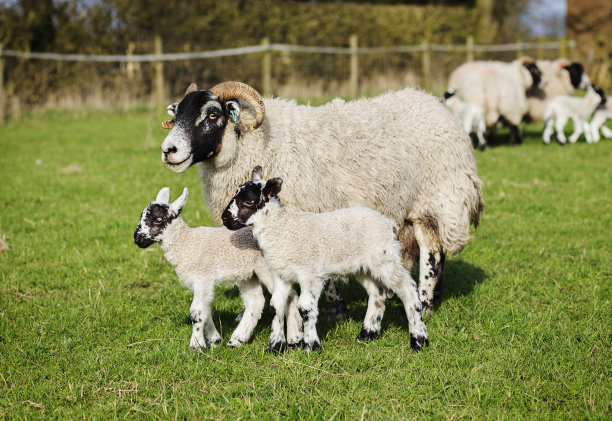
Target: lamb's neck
171 239
267 217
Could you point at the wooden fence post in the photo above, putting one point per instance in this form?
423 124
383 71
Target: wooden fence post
159 75
426 65
266 68
2 101
469 45
354 81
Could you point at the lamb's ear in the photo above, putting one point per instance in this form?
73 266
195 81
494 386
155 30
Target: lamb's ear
257 174
164 195
232 107
272 187
179 203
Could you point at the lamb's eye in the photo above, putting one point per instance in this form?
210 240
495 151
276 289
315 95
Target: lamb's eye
158 221
249 203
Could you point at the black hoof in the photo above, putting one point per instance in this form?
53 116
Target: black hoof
216 342
482 147
314 346
238 317
276 348
417 342
368 335
296 345
336 309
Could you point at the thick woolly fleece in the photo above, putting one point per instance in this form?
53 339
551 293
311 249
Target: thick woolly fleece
309 248
204 257
498 87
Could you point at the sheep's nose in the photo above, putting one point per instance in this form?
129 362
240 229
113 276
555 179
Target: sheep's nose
171 149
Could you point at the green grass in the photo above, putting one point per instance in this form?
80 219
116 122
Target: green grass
92 326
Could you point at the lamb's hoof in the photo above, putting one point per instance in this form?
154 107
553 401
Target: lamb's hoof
276 348
336 309
296 345
313 346
417 342
234 343
482 147
238 317
368 335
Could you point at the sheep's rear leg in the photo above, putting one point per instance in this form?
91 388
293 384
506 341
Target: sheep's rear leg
295 330
200 314
253 300
335 304
431 266
309 310
377 296
278 307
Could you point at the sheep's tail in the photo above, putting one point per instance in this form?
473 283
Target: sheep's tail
479 205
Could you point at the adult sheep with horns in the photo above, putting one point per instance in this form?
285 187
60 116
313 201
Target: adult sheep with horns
401 153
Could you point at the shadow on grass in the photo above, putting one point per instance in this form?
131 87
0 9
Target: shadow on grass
459 279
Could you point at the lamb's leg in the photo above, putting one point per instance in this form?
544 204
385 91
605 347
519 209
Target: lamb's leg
606 132
559 125
336 306
431 266
214 338
548 131
295 331
577 131
310 291
377 295
200 313
588 133
253 300
278 304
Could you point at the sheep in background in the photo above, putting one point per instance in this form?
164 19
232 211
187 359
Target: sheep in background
401 153
470 116
204 257
499 88
602 114
561 108
309 248
562 78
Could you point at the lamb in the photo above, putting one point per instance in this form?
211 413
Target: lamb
563 77
499 88
471 116
401 153
206 256
561 108
309 248
602 114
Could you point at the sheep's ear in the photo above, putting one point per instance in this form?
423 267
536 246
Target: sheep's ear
257 174
179 203
232 107
163 196
191 88
172 109
273 187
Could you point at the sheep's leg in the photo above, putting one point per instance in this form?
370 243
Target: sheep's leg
559 125
253 300
577 131
213 337
606 132
482 143
200 313
295 332
377 295
515 135
278 304
336 306
548 131
309 310
588 133
431 266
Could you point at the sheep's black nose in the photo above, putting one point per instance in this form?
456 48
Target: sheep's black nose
170 150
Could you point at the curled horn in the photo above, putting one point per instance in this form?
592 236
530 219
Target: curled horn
229 90
169 123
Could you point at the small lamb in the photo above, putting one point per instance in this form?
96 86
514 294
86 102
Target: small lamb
470 116
602 114
563 107
309 248
206 256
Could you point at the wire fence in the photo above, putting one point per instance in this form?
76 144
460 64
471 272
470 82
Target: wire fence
274 69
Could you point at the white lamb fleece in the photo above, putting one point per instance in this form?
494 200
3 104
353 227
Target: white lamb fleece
498 87
470 116
206 256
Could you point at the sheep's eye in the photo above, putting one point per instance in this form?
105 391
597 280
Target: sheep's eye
213 116
158 221
249 204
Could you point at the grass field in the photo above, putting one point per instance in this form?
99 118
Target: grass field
93 327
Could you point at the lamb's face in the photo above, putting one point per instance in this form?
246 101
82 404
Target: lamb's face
154 220
250 197
199 123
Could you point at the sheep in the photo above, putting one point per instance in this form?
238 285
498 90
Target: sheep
471 116
206 256
499 88
602 114
401 153
562 76
308 248
561 108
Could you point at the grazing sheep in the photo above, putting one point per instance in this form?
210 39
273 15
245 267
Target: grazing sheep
309 248
561 108
562 78
470 116
602 114
204 257
401 153
499 88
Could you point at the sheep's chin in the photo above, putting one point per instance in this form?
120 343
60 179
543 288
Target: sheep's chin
181 167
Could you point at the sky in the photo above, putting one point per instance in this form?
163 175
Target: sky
546 17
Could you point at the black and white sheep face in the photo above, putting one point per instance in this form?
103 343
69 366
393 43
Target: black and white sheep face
157 216
199 123
250 197
578 77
